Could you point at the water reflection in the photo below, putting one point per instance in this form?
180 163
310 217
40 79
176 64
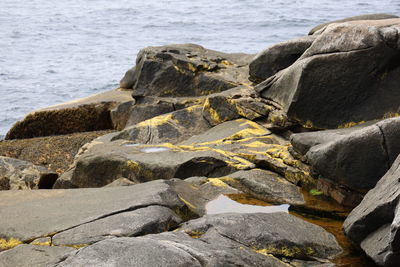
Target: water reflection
131 145
223 204
153 149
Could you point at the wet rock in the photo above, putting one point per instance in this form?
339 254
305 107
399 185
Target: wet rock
278 234
185 70
30 255
374 224
355 157
277 57
321 27
53 211
267 186
365 53
54 152
19 174
142 221
87 114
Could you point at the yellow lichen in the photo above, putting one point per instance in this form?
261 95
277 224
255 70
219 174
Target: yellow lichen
156 121
47 243
133 165
281 251
217 182
391 115
226 62
195 234
187 203
76 246
8 244
212 112
308 124
350 124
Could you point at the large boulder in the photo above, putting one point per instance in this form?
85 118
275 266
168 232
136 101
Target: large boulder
101 212
19 174
348 75
374 225
278 57
218 240
185 70
361 17
87 114
354 158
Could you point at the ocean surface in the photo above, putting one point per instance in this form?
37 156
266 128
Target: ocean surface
56 51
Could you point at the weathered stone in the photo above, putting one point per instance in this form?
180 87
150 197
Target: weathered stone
355 157
169 249
278 234
185 70
278 57
362 17
267 186
142 221
365 53
120 182
87 114
30 255
54 152
47 212
19 174
374 225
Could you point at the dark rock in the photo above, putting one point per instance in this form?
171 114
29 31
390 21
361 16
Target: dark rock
142 221
362 17
19 174
87 114
185 70
47 212
30 255
365 53
355 157
374 224
278 57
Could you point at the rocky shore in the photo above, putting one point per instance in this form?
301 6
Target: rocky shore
203 158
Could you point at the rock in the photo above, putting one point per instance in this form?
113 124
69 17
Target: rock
132 112
87 114
52 212
19 174
278 57
374 224
278 234
362 17
120 182
267 186
142 221
185 70
216 240
355 157
54 152
172 127
364 53
30 255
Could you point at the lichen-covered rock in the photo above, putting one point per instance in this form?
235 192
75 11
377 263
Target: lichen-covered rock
87 114
321 27
365 56
185 70
19 174
374 225
355 157
278 57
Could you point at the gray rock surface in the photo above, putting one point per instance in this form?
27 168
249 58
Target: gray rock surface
278 57
185 70
355 157
365 53
374 225
46 212
19 174
31 255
